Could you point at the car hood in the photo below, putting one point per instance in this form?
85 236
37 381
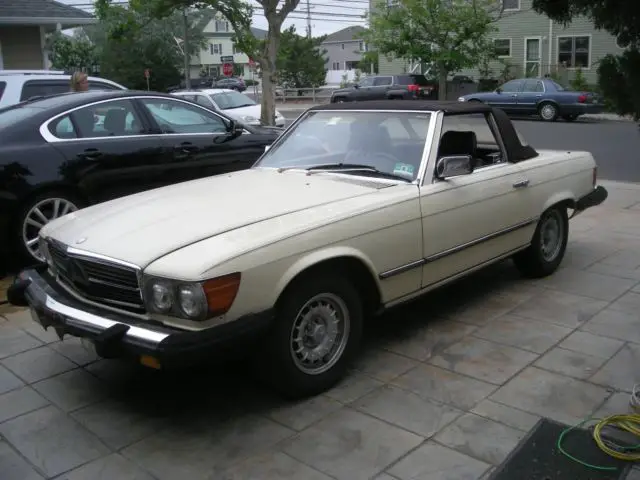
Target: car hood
343 90
251 111
146 226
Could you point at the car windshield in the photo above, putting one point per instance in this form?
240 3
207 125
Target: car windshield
391 143
229 100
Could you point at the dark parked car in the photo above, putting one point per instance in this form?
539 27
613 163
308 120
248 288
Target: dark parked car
539 96
232 83
64 152
381 87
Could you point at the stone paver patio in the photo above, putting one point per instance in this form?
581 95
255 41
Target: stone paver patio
445 388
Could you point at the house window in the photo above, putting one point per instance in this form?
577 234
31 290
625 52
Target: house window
574 52
216 48
502 47
335 66
511 4
222 26
361 47
342 46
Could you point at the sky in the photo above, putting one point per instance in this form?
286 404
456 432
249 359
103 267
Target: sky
327 16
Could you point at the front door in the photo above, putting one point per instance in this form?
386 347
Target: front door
472 219
381 86
363 91
108 152
532 56
200 140
506 97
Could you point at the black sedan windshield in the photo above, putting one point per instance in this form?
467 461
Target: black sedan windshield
388 142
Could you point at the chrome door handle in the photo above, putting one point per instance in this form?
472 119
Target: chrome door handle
538 96
521 184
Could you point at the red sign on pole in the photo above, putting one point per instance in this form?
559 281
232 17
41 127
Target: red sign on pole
252 63
227 69
147 73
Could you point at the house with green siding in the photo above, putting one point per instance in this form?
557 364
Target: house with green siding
531 45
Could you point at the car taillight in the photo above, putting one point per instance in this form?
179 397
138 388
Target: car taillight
582 98
414 88
595 176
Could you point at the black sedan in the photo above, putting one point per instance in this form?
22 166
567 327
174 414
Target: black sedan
64 152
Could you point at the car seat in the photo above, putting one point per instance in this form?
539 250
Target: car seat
115 122
454 142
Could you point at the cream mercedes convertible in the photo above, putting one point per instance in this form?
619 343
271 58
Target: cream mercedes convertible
356 207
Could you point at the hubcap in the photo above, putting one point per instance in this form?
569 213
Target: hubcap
40 214
548 111
320 333
551 236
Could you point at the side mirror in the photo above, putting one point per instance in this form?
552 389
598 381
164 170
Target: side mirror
355 85
234 128
498 90
454 166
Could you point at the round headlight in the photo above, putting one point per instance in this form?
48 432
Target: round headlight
162 296
192 301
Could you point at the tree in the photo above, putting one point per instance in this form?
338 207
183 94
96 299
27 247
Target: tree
300 61
239 14
72 53
449 34
618 75
131 41
369 62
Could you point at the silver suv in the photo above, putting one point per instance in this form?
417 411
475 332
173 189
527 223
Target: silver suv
19 85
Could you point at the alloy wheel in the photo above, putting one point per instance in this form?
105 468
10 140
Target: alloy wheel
320 333
38 216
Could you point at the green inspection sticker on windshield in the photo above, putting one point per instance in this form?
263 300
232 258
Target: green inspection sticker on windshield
404 169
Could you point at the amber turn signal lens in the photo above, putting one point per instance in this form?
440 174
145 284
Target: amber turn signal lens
221 292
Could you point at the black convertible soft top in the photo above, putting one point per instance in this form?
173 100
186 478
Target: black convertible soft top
516 151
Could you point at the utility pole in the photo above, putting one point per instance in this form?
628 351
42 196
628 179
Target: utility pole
185 50
308 19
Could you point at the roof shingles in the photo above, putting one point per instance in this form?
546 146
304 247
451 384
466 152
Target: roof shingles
40 9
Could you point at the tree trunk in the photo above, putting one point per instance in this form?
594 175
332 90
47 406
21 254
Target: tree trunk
442 82
268 67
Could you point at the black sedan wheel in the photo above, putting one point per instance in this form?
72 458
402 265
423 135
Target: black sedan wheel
37 213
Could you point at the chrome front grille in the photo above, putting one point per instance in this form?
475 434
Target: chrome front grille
97 280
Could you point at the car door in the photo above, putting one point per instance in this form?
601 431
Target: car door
199 139
470 220
108 149
363 90
531 94
506 96
381 86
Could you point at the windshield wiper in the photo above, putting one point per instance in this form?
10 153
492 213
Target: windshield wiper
240 106
354 167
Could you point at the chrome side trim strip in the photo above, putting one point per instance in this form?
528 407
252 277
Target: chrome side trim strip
480 240
452 278
402 269
81 319
452 251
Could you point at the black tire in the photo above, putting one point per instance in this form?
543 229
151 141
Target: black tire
277 362
548 111
21 228
533 262
569 118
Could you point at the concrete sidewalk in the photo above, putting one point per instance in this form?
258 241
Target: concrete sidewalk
445 388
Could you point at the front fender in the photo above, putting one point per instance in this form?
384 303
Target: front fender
316 257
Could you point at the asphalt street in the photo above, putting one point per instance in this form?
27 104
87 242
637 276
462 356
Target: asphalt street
614 144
